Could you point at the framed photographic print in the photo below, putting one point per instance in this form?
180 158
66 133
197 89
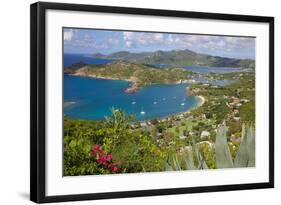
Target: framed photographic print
129 102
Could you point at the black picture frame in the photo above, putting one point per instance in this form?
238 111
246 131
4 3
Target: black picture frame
38 97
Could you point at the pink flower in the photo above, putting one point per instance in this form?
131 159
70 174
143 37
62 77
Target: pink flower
94 152
101 159
96 147
109 157
105 160
114 168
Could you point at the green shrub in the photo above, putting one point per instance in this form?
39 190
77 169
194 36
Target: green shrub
137 151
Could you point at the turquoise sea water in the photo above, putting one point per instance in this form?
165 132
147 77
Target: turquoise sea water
89 98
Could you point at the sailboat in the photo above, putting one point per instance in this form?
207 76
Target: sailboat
182 104
134 102
155 102
142 111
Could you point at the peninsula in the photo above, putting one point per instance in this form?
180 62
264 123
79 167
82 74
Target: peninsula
138 74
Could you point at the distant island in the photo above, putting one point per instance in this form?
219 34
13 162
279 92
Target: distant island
138 74
178 58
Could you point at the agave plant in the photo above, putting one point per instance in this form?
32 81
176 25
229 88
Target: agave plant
223 155
246 154
191 162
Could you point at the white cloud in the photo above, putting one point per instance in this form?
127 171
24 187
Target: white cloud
198 42
184 41
141 38
128 44
68 34
158 37
77 39
113 41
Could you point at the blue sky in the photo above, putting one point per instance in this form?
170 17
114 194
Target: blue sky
89 41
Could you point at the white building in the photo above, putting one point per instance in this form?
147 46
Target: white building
205 135
143 124
182 137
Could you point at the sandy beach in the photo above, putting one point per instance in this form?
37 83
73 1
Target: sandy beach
202 100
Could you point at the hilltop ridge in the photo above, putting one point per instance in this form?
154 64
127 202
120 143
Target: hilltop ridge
178 58
138 74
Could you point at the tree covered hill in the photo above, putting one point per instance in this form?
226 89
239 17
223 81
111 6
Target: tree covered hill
179 58
136 73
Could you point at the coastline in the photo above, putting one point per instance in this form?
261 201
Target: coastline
201 99
200 103
135 85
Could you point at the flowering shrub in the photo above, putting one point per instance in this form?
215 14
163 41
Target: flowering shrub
109 146
105 161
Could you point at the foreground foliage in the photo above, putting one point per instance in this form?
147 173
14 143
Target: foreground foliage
136 150
193 158
111 146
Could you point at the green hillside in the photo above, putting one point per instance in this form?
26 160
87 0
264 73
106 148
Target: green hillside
179 58
138 74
